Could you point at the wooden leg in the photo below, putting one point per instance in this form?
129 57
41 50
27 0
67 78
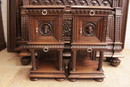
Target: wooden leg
73 80
100 61
115 62
34 79
61 60
73 60
25 60
108 59
33 59
60 80
99 79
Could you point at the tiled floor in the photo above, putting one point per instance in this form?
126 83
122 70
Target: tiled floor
13 74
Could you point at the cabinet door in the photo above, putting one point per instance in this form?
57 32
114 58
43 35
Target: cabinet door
89 29
46 28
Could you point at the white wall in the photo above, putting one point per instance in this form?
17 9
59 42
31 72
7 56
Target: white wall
4 13
127 41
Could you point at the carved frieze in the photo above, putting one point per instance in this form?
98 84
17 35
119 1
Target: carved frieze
92 12
88 47
44 11
41 46
108 3
73 11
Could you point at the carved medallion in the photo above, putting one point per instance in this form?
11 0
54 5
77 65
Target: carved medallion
89 29
45 29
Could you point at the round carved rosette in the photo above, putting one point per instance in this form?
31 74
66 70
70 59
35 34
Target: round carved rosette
45 29
89 29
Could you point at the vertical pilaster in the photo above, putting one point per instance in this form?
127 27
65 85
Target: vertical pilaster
34 66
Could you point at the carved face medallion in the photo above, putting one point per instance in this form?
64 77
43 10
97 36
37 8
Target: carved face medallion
45 29
89 29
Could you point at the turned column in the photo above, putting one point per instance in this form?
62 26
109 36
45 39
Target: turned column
34 67
74 60
100 61
60 60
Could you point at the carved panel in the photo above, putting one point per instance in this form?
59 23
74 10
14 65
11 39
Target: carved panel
89 29
67 28
117 30
24 27
73 2
110 28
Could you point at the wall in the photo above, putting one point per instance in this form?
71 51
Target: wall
4 12
4 15
127 39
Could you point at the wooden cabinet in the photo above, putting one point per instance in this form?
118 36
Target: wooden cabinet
2 39
85 31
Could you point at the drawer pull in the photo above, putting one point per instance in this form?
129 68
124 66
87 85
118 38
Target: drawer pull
44 12
89 50
92 13
45 49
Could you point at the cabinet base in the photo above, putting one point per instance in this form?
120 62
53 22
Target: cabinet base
88 70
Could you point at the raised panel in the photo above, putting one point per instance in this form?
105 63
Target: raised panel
90 28
46 28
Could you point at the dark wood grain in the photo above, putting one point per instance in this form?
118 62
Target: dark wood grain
2 39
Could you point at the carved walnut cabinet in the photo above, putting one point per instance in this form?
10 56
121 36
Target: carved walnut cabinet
81 31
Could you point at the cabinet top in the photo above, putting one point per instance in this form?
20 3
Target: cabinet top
92 3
